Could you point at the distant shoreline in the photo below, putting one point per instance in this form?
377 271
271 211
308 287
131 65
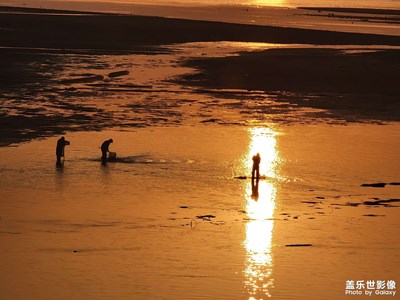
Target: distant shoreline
376 11
128 32
33 10
358 10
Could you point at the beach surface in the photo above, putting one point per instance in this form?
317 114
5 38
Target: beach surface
170 213
188 103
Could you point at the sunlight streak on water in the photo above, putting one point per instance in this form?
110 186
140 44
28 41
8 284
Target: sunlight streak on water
260 205
263 141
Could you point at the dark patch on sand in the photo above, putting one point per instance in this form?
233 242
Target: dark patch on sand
377 185
381 202
205 217
353 86
373 215
118 73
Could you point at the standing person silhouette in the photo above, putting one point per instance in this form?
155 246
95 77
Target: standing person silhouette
255 172
61 143
105 149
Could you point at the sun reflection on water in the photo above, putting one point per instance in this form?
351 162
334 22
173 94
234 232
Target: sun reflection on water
260 205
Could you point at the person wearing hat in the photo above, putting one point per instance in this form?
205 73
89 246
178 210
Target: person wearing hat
105 149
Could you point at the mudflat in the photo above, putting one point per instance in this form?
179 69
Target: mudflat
357 82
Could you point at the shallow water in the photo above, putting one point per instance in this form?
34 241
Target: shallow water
170 219
76 92
131 229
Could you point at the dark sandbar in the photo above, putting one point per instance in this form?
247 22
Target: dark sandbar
355 85
125 32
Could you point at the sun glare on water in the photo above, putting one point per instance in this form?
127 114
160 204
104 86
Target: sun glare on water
260 205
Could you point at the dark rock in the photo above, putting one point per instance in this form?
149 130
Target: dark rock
118 73
183 206
394 183
371 203
377 185
205 217
210 121
389 200
319 197
354 204
86 79
372 215
381 202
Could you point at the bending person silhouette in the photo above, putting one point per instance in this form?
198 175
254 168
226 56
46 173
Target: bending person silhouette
60 151
105 149
255 172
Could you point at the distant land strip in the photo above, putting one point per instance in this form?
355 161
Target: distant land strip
127 32
371 11
31 10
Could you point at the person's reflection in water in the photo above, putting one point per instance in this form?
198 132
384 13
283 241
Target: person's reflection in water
255 172
254 189
60 167
60 151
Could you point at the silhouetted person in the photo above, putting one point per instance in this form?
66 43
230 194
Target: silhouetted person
255 172
61 143
105 149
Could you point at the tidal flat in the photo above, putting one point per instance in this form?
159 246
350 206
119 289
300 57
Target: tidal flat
176 216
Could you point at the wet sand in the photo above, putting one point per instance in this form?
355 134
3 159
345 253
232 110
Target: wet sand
360 83
56 73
